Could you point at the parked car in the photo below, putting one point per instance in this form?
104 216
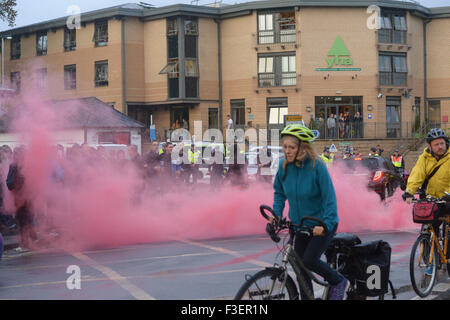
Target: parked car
383 178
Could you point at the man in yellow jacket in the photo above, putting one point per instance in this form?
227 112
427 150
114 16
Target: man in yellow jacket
436 154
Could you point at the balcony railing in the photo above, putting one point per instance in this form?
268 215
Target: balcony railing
393 79
283 36
392 36
277 80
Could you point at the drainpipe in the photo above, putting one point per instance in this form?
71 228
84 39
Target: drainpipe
219 63
124 73
425 82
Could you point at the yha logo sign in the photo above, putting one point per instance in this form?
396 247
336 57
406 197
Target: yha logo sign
339 58
339 54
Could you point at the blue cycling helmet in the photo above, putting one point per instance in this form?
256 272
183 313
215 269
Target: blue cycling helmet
436 133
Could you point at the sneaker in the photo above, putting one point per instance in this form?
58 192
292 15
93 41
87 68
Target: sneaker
338 291
429 270
21 249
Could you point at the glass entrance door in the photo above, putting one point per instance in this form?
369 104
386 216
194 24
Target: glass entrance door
347 115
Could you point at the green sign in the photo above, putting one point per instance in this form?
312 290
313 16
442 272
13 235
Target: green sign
338 56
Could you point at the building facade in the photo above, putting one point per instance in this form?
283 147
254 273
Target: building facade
386 61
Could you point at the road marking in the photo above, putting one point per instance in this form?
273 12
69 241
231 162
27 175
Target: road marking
155 275
430 297
116 261
318 290
136 292
441 287
225 251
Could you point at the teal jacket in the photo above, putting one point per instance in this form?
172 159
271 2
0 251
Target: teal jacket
309 191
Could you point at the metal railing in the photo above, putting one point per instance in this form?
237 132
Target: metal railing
393 79
375 130
277 80
392 36
283 36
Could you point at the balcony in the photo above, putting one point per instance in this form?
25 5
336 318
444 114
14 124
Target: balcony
393 79
267 80
394 40
271 40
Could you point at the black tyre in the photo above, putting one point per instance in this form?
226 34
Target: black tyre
268 284
419 262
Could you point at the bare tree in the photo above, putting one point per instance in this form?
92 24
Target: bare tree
8 12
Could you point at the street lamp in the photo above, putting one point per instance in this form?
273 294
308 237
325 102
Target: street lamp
3 58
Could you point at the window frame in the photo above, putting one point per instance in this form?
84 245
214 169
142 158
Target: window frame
41 43
101 37
68 43
101 82
16 48
72 69
278 77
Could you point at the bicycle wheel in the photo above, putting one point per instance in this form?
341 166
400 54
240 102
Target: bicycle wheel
268 284
422 273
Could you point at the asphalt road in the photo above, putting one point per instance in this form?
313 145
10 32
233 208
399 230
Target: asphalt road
176 270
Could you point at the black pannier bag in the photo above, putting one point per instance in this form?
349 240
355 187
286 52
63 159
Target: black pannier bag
370 260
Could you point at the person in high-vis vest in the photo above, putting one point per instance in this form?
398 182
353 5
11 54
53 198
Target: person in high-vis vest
398 162
326 157
193 157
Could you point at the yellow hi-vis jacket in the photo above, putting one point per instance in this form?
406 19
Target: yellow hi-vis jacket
439 182
193 156
397 161
328 161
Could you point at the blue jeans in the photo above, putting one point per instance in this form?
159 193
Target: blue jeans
310 249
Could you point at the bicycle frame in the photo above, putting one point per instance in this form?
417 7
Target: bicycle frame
435 241
291 257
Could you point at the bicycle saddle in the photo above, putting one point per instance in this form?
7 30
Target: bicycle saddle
345 239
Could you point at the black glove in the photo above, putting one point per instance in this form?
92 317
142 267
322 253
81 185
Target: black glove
446 198
406 195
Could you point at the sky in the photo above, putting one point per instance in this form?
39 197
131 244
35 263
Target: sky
30 12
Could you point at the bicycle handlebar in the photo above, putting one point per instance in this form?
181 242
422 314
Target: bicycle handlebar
273 228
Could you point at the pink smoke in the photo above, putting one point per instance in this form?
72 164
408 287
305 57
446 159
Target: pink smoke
102 204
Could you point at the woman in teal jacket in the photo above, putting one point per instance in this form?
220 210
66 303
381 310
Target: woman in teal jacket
304 181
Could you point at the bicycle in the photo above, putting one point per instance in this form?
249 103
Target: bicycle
275 283
424 262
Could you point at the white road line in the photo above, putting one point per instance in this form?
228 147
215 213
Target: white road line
441 287
225 251
318 290
136 292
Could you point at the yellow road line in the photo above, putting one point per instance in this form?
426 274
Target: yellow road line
136 292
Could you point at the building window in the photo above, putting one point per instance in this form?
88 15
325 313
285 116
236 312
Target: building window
393 28
172 29
101 33
191 75
15 81
393 117
213 118
238 112
101 73
15 48
277 109
70 39
191 27
276 27
41 78
393 69
434 113
70 77
41 43
114 138
275 71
